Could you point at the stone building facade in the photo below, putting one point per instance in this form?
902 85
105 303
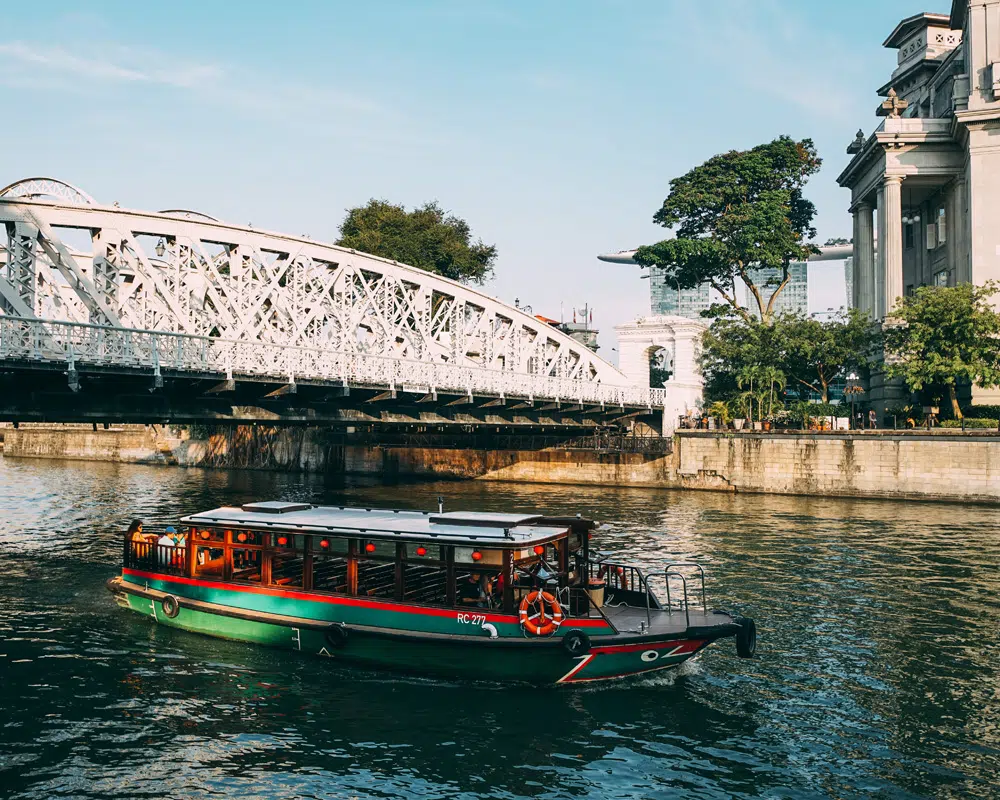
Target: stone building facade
925 185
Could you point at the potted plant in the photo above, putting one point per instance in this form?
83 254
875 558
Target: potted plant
720 411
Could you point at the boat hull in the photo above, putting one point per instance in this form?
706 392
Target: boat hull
493 655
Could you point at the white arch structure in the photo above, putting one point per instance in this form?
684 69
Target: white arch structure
84 281
681 338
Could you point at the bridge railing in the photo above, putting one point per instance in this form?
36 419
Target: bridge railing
23 339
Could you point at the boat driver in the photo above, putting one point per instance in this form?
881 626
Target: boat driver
473 590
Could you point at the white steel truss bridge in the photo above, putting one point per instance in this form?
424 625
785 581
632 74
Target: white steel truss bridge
85 286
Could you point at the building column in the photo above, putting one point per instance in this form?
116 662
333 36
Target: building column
864 258
890 243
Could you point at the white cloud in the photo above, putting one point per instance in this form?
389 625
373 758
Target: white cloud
54 67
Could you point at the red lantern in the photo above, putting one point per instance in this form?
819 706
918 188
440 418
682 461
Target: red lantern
370 547
477 556
539 549
282 540
241 537
421 550
205 534
324 543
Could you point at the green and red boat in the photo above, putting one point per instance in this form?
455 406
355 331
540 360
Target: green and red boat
479 595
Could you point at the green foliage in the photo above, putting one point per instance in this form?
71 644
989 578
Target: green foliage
803 412
426 238
982 411
804 352
944 334
838 240
737 212
970 422
817 353
720 409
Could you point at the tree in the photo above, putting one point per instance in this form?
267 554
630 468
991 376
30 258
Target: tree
943 334
738 212
817 353
731 349
836 241
426 238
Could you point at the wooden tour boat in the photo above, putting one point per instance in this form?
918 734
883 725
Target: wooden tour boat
480 595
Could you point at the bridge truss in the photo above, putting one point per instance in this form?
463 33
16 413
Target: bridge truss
82 283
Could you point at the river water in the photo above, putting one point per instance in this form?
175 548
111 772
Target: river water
877 675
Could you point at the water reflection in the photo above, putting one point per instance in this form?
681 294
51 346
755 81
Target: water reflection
877 675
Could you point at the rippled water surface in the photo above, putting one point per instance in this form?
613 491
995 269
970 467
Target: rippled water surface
878 670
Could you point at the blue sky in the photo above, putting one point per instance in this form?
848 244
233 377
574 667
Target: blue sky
553 127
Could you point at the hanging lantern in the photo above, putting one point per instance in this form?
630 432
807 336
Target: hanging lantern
477 556
282 540
421 550
241 536
539 549
204 534
370 547
324 543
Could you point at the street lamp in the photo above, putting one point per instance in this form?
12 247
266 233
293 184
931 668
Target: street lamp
161 247
852 389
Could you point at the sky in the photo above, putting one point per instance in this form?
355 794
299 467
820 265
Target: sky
554 128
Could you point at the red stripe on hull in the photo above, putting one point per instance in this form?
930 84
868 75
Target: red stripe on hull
339 600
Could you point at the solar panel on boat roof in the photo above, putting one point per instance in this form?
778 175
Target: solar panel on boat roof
275 507
489 519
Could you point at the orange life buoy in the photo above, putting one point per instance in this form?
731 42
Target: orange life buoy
538 624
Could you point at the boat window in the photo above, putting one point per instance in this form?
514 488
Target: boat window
480 556
246 564
201 535
247 537
329 572
425 583
377 569
287 559
208 561
417 552
330 545
477 588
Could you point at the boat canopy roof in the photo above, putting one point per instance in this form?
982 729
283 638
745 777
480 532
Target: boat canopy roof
481 528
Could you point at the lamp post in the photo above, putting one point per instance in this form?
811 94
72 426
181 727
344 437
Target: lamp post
852 389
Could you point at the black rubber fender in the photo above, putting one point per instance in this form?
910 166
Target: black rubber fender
576 642
746 637
170 606
336 635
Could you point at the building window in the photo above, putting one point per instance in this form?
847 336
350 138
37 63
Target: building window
942 228
941 278
908 236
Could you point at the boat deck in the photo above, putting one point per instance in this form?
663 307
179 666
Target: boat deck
627 618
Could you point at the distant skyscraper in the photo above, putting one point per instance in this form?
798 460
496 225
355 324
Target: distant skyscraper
666 298
794 297
849 282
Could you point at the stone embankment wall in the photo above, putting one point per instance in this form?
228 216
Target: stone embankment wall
913 465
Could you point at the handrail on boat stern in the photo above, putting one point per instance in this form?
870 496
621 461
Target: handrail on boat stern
672 570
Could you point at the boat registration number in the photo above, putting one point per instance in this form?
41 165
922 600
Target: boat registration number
471 619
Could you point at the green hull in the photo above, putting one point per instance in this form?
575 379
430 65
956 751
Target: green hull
402 638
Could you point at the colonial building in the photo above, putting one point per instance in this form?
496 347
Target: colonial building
925 185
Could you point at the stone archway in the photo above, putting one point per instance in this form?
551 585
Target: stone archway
680 337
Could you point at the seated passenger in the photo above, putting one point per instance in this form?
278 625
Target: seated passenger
172 539
135 533
473 590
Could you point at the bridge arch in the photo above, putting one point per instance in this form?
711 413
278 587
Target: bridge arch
185 273
32 188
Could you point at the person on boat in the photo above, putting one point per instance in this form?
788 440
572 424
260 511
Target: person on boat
135 533
172 539
473 591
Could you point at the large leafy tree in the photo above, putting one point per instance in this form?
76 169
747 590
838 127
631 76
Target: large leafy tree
817 353
427 238
738 212
733 351
941 335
